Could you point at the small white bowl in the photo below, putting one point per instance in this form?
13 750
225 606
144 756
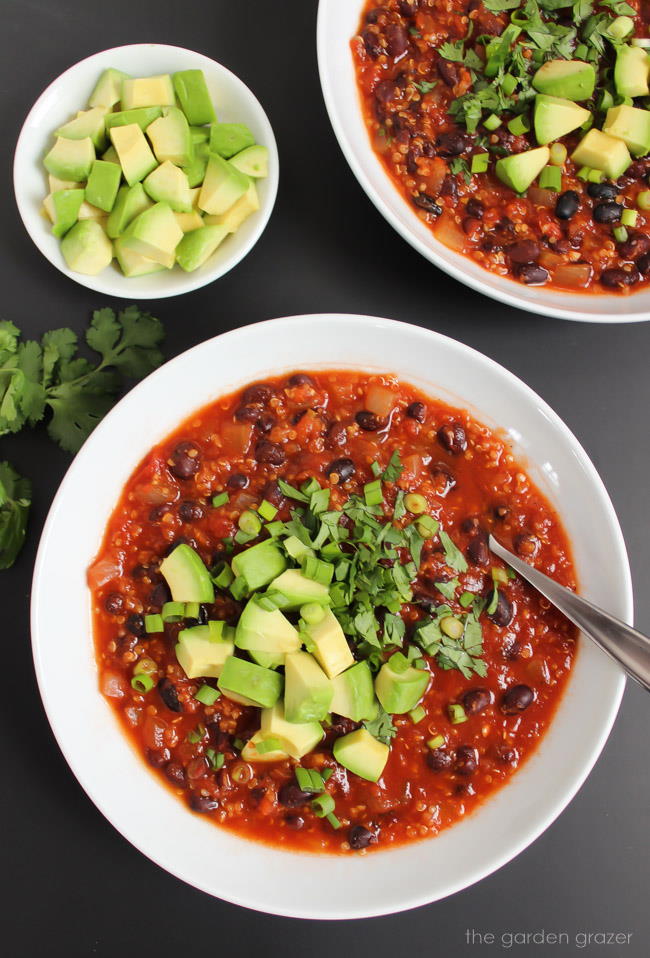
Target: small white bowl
338 22
234 103
126 790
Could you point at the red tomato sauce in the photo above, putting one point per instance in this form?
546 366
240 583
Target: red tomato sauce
294 427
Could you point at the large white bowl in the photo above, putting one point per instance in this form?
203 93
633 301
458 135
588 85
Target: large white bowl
234 103
338 22
116 778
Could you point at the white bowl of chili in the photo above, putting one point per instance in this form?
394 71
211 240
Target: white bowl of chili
258 876
338 23
234 103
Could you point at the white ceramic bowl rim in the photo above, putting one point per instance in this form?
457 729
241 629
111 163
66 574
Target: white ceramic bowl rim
64 95
337 24
116 779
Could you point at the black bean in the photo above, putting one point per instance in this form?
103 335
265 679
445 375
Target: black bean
532 275
296 822
158 756
643 264
517 699
273 494
360 837
478 550
368 421
292 796
504 611
602 191
237 481
159 595
336 434
427 203
373 16
190 511
616 278
526 544
439 760
158 512
636 244
476 700
169 695
300 379
184 461
247 413
466 760
135 624
449 187
385 91
114 603
471 524
397 40
525 251
608 212
203 803
371 42
448 72
266 422
259 393
475 208
269 452
344 469
506 755
408 8
417 411
567 205
452 437
443 478
452 144
176 774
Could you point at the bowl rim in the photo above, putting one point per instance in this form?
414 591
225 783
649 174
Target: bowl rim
285 327
112 285
430 252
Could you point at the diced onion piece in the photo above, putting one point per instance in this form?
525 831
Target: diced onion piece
153 495
112 685
236 437
436 176
573 275
547 198
450 233
550 260
242 501
412 466
103 571
380 400
153 731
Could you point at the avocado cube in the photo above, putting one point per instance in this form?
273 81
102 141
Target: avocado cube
259 564
70 159
143 116
133 264
130 202
108 89
195 171
147 91
520 169
110 156
253 161
155 234
133 151
307 690
203 650
296 589
266 659
354 693
193 96
361 754
327 642
56 184
103 184
631 71
223 185
232 219
631 125
227 139
200 134
171 138
570 79
168 184
265 630
249 752
189 221
555 117
86 248
296 738
88 123
64 210
399 692
249 684
600 151
183 569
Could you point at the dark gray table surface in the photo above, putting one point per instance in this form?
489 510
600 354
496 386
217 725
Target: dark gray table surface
72 885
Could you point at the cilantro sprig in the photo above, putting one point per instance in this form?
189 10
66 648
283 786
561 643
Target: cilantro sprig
15 500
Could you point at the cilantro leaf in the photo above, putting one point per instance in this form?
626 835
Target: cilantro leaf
394 469
15 501
425 86
453 556
452 51
381 727
497 6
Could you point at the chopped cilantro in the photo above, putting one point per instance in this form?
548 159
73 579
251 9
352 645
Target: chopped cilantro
382 727
453 556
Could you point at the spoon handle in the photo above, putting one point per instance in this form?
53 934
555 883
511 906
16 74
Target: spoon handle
624 644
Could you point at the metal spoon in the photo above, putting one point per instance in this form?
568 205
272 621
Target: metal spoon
622 643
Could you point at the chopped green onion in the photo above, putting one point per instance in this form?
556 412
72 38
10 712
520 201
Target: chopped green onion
192 610
323 805
372 493
375 469
581 51
270 744
303 778
427 526
583 173
312 613
317 570
250 523
606 100
620 234
271 600
629 217
153 623
241 537
509 84
238 744
417 714
466 599
643 200
550 178
596 176
216 759
331 551
436 742
142 683
452 627
480 163
326 774
145 666
492 122
239 588
196 734
333 820
224 576
173 611
207 695
621 27
220 499
415 503
274 529
500 575
519 125
316 780
640 42
267 510
456 713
